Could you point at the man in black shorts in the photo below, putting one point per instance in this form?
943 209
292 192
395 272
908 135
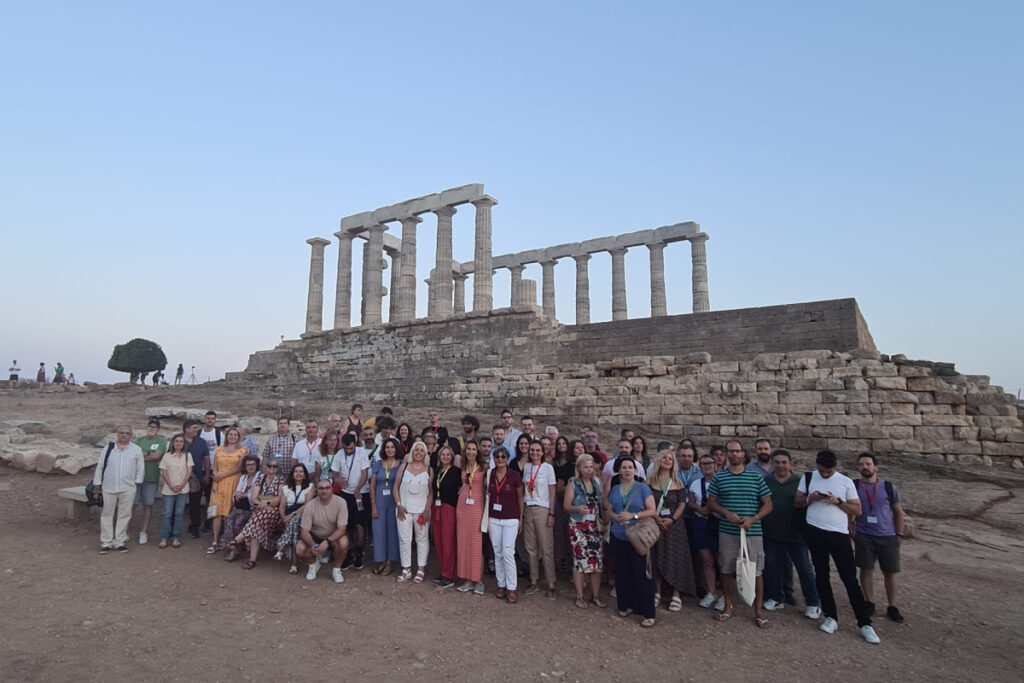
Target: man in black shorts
877 533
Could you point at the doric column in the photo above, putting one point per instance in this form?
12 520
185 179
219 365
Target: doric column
442 277
373 275
407 289
315 297
396 283
431 294
699 258
517 284
548 287
582 289
483 272
343 288
459 305
658 305
618 283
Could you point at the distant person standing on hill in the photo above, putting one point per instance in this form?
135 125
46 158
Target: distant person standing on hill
58 374
179 373
14 370
41 373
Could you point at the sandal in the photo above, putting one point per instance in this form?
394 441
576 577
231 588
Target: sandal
657 599
599 602
378 569
211 550
419 576
389 571
676 604
625 612
162 544
176 543
581 603
723 616
647 623
405 575
293 569
249 565
761 622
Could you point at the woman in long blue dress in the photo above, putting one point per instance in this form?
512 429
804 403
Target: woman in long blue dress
383 473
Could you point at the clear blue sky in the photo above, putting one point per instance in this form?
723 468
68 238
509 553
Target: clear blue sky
163 164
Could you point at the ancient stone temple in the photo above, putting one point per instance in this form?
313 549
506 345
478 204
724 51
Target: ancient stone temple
806 375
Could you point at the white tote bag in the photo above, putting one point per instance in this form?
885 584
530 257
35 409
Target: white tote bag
746 572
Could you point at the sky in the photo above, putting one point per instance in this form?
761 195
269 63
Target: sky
162 164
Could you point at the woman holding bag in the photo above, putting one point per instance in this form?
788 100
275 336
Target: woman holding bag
631 501
239 516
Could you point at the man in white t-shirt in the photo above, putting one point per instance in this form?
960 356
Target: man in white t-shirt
611 468
352 472
511 434
830 499
213 438
539 518
306 451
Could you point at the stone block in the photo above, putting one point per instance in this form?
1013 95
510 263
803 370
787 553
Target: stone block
855 384
830 384
1015 450
693 358
849 445
829 431
928 384
892 396
944 409
723 366
45 462
27 426
969 459
25 460
898 409
857 396
804 397
946 421
950 397
909 371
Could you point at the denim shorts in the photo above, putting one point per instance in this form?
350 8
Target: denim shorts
145 493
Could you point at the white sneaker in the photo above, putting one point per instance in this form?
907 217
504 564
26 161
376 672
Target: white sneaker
707 601
313 569
830 625
813 612
868 634
143 538
720 604
337 575
772 605
325 558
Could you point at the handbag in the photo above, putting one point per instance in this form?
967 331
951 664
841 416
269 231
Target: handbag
485 521
211 512
91 498
746 572
643 533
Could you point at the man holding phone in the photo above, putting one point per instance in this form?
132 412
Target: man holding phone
831 498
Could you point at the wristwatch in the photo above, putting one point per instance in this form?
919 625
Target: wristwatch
636 516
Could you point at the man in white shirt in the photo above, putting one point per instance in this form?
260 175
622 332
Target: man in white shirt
120 469
306 451
213 438
352 473
831 498
511 434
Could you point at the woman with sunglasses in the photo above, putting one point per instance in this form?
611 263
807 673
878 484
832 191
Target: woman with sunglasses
243 501
705 531
266 524
505 492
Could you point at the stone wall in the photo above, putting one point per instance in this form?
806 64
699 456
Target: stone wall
709 376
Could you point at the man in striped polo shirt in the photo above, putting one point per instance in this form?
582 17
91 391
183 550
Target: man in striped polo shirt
741 499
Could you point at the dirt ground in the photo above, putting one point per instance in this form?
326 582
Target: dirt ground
180 615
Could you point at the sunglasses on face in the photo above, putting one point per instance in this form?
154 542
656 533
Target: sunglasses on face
501 457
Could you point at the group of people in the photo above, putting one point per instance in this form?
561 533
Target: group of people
519 503
59 374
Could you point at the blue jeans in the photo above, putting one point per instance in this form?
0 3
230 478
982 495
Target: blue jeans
174 511
775 555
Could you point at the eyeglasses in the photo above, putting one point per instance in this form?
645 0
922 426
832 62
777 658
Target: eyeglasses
271 467
501 456
323 488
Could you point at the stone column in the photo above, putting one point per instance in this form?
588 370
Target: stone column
459 305
315 297
373 275
658 305
618 283
699 258
443 265
517 284
483 271
343 288
431 294
548 287
396 283
407 289
582 289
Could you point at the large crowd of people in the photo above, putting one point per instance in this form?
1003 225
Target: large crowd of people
653 525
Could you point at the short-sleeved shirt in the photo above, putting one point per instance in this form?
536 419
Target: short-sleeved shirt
628 501
149 447
778 526
351 468
740 494
874 503
541 477
823 514
176 467
305 453
323 520
506 495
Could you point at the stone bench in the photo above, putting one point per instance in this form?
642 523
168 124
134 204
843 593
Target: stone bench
77 510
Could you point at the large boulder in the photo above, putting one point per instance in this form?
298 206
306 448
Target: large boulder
25 460
27 426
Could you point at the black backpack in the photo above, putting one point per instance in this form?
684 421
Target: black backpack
889 491
91 498
800 514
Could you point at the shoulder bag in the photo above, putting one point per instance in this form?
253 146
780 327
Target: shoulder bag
91 498
485 521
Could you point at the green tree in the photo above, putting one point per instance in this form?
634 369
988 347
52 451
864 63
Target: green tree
138 355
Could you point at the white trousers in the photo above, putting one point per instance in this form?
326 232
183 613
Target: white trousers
116 505
503 533
408 530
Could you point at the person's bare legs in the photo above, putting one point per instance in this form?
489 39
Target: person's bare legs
218 525
707 563
729 591
254 549
577 581
147 517
758 597
341 551
595 585
890 588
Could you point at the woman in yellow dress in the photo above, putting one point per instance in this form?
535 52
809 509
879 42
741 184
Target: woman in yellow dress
227 470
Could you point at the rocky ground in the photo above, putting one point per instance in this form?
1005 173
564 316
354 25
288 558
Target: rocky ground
182 615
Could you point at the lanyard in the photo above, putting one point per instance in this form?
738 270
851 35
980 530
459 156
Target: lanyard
437 482
309 449
387 474
475 468
625 496
330 460
351 463
871 497
499 484
664 489
534 471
